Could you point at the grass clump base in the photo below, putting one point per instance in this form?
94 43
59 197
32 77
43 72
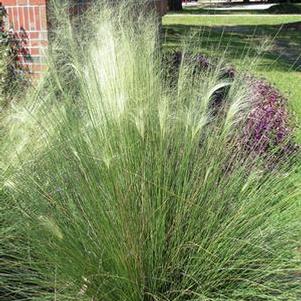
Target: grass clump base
122 186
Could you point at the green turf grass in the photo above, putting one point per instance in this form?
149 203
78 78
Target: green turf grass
199 20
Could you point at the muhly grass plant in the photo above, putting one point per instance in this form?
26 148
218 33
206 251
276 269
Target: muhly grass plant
117 185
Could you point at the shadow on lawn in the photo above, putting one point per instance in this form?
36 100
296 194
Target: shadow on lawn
239 42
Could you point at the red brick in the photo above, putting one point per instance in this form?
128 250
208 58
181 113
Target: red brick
31 19
37 18
15 22
36 43
26 18
22 2
9 2
37 67
34 51
33 35
43 17
20 16
37 2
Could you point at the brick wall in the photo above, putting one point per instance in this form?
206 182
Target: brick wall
28 18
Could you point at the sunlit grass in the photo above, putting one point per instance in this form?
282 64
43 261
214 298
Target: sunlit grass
200 20
119 184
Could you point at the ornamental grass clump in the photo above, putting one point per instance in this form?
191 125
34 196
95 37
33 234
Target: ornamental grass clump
128 188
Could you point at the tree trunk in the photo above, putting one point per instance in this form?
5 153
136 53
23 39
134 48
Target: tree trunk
175 5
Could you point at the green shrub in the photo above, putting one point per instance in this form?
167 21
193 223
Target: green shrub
130 189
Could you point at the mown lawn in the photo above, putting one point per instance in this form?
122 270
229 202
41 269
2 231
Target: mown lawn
231 20
266 45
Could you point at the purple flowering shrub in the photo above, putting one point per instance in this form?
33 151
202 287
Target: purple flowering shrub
268 126
268 129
